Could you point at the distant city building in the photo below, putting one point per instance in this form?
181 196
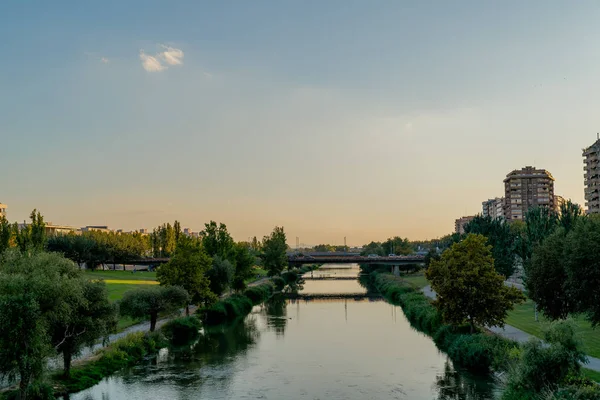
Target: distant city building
527 188
459 224
52 229
143 231
97 228
493 208
3 208
187 231
558 202
591 178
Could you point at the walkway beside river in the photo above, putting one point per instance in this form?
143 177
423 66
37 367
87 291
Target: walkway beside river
512 333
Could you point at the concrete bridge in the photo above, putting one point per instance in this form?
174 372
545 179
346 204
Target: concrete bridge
396 261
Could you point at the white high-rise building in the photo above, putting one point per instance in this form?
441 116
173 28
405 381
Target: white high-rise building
494 208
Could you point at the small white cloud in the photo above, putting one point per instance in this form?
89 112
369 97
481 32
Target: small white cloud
171 55
96 56
150 63
207 74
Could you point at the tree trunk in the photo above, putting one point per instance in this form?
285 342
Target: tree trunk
23 385
187 310
472 325
152 322
67 357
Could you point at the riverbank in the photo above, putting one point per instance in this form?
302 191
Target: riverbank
131 346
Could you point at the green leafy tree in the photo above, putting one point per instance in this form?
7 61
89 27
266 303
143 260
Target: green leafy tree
582 264
397 245
36 291
188 268
177 231
6 234
220 275
373 248
152 302
500 238
217 241
274 251
92 316
468 287
244 262
546 278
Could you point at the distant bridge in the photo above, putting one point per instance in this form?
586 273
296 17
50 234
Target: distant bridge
294 260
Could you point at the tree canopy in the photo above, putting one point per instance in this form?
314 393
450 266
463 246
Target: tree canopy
274 249
152 301
468 287
188 268
500 238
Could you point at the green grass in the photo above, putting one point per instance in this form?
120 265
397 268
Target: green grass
416 279
125 275
257 271
523 317
593 375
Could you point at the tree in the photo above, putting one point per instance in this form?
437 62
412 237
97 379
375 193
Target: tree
220 275
36 291
546 277
274 251
468 287
188 268
373 248
244 262
92 316
31 236
217 241
582 264
6 233
500 238
150 302
397 245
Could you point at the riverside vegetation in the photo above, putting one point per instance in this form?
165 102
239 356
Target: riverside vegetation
530 371
50 306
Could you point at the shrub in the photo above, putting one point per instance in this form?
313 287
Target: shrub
183 330
37 390
119 354
259 294
226 310
278 282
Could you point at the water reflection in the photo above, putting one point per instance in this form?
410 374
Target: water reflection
302 349
276 311
454 385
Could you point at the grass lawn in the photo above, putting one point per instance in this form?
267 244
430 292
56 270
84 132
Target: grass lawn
127 275
523 317
258 271
593 375
416 279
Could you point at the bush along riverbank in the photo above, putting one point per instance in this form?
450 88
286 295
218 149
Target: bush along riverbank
550 371
240 304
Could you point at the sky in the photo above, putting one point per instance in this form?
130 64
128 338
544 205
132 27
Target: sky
338 118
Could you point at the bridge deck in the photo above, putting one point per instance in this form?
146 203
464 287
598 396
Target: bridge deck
330 278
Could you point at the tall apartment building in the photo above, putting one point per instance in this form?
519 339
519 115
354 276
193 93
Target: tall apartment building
527 188
591 178
493 208
558 202
3 208
459 224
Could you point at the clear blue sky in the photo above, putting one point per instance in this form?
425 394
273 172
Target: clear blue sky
363 119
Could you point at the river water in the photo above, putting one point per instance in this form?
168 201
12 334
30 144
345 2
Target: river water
317 349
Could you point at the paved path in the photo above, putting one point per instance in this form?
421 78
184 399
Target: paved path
512 333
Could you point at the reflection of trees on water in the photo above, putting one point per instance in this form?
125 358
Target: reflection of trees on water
276 309
454 385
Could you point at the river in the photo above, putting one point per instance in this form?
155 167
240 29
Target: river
317 349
